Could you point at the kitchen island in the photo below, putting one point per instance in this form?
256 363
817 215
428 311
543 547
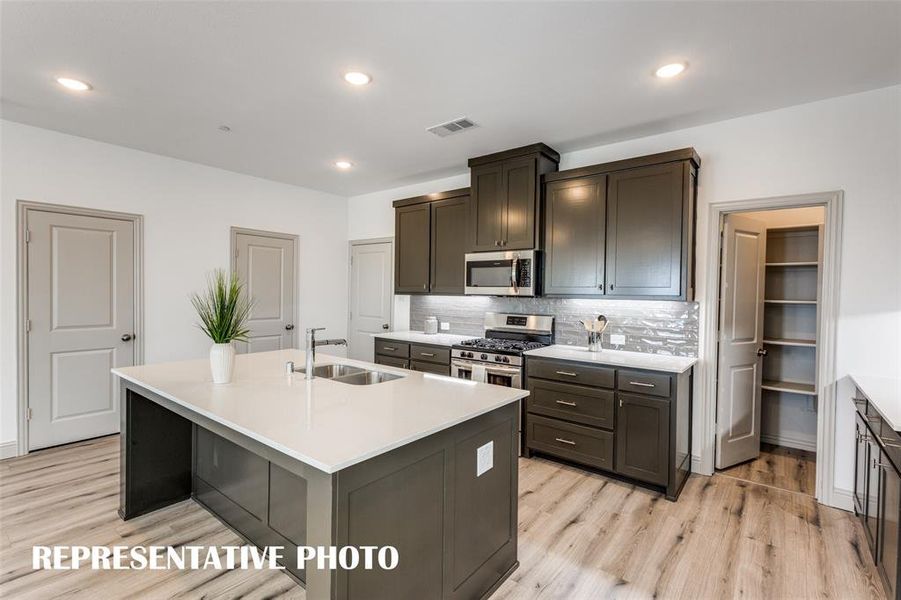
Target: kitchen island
421 462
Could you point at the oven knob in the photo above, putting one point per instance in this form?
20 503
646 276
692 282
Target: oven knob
506 359
497 358
484 357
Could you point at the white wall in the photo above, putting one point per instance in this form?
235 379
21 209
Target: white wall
188 209
849 143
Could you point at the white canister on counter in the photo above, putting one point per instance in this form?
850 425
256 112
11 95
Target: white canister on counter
431 325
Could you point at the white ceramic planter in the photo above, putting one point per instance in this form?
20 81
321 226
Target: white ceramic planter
222 362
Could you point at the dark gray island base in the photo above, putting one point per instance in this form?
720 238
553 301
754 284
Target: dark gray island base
455 532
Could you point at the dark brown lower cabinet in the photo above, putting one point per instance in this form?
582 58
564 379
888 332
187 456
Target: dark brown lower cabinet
642 438
877 491
427 367
425 358
589 414
392 361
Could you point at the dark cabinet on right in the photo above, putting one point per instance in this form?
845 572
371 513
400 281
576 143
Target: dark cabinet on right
642 438
877 490
623 229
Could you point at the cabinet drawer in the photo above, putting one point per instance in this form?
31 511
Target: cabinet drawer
426 367
430 354
573 442
392 348
392 361
891 440
590 406
654 384
570 372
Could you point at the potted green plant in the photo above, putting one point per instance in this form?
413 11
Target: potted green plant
223 310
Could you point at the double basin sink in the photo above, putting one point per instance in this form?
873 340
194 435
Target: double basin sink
350 374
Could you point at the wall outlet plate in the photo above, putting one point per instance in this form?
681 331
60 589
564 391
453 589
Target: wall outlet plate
445 326
617 339
484 458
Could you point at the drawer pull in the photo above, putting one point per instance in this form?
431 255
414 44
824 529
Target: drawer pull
565 441
426 354
567 373
642 384
883 465
889 443
874 419
389 348
565 403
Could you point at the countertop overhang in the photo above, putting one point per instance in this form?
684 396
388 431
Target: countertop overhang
884 393
326 424
616 358
420 337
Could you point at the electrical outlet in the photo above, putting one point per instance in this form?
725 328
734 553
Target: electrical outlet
445 326
617 339
484 458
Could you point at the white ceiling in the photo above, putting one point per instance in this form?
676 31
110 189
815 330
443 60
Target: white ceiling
167 74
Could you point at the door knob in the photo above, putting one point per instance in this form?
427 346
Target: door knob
289 326
761 352
385 326
127 337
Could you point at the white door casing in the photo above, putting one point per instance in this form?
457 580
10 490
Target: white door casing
266 263
371 293
80 323
739 369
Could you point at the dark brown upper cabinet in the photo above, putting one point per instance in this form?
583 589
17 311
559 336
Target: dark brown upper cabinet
644 245
575 220
430 239
412 226
505 203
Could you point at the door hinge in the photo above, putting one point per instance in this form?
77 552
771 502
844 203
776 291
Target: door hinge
27 236
28 414
27 325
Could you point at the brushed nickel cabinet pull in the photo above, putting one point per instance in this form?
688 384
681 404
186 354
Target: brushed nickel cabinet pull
567 373
642 384
883 465
563 441
565 403
889 443
389 348
426 354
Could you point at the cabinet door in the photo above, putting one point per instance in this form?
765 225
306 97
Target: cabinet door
236 472
520 200
575 216
889 513
449 220
412 226
644 231
860 468
486 208
871 521
642 438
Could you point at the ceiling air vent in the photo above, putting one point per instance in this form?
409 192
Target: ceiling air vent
455 126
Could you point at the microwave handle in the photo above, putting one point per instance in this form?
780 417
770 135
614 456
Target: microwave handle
514 275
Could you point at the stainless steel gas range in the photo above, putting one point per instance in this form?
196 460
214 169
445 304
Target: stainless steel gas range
497 357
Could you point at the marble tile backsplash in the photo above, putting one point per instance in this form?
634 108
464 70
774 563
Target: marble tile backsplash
652 327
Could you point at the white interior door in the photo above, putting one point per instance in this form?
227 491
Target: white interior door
739 369
265 263
371 291
81 295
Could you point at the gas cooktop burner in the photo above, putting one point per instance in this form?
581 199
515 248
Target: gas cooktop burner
500 345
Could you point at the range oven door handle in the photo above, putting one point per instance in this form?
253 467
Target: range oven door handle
490 368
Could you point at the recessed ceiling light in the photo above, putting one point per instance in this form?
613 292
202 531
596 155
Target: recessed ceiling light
357 78
73 84
670 70
343 164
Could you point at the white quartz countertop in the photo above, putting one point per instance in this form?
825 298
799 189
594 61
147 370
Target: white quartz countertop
884 393
616 358
418 337
326 424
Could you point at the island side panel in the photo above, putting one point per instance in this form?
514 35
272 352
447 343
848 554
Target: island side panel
455 530
155 456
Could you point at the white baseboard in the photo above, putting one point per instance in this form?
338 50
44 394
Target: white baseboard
8 450
798 443
696 465
843 499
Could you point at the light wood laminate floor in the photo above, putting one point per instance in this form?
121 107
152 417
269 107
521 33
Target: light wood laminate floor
781 467
581 536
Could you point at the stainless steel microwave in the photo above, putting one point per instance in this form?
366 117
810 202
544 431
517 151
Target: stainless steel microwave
508 273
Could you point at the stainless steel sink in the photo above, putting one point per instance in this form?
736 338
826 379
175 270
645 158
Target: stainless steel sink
333 371
368 378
